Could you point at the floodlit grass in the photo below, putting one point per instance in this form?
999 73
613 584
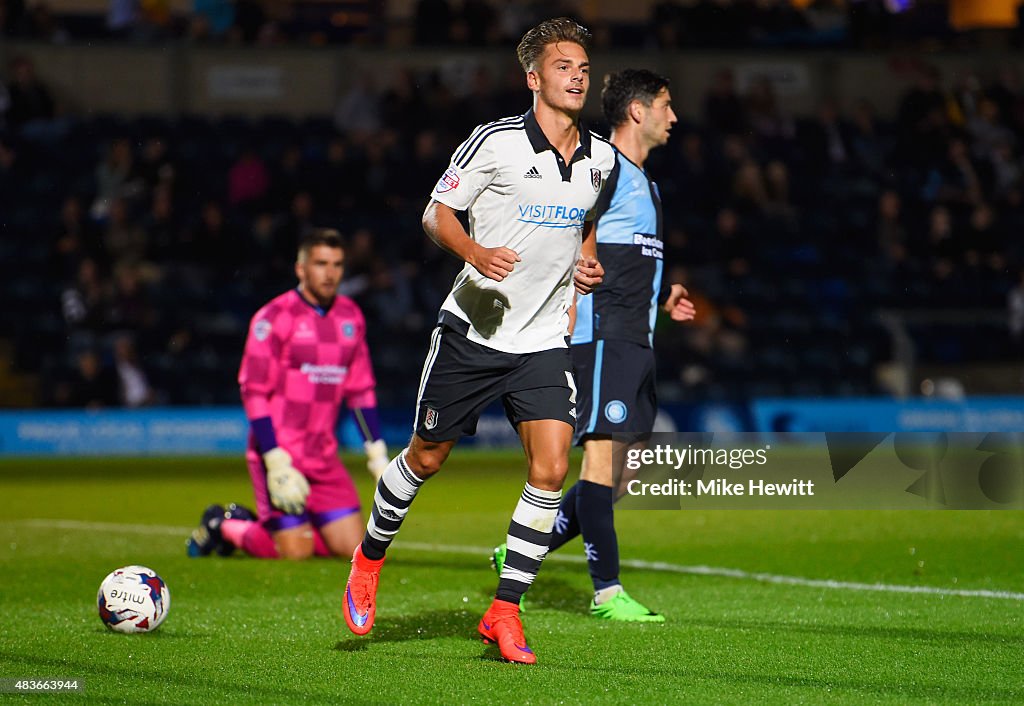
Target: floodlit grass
247 631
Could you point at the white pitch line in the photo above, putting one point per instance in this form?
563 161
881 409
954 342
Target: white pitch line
639 564
104 527
741 574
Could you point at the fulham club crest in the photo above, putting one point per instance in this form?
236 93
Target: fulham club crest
430 420
595 179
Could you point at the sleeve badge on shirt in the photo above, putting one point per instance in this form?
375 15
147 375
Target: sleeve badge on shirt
261 329
595 179
449 181
348 330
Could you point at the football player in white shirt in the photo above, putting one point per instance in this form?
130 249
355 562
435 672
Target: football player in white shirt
612 343
530 184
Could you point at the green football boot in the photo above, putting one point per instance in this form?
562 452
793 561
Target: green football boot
623 608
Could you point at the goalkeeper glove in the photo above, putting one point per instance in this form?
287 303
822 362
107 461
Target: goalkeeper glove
376 458
287 486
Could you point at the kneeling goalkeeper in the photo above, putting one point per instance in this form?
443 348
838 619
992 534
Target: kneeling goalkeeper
305 355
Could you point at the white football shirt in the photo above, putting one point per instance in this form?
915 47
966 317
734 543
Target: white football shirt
521 194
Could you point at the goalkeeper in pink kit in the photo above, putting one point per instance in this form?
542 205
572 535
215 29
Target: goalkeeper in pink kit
305 356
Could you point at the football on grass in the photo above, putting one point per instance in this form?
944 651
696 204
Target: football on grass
133 599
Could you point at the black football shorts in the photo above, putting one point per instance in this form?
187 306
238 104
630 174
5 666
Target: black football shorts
460 378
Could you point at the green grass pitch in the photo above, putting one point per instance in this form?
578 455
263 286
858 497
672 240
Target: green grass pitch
265 632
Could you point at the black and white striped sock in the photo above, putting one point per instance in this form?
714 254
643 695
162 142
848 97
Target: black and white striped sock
395 492
529 534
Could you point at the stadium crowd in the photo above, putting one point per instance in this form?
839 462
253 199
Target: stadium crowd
136 249
668 23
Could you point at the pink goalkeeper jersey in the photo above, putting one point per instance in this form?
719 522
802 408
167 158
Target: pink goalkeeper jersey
298 367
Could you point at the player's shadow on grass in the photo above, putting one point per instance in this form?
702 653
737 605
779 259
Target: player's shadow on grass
420 626
552 593
423 626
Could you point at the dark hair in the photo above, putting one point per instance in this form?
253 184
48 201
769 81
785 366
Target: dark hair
622 88
561 29
319 236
